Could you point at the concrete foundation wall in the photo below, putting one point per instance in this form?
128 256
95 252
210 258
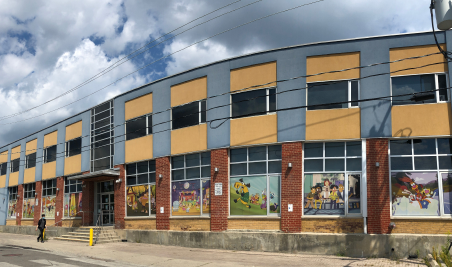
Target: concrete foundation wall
31 230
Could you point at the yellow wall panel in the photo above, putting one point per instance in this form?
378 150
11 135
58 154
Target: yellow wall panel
253 75
4 156
29 175
139 149
31 147
405 52
254 130
51 139
138 106
330 124
2 181
27 222
421 120
13 179
15 153
49 170
73 164
11 222
189 139
189 91
333 62
74 130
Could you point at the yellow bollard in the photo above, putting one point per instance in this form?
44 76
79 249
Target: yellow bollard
43 234
91 236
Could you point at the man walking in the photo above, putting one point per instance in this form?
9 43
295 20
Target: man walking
41 226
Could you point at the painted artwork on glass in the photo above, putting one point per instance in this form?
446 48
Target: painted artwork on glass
12 204
274 199
152 197
75 205
186 198
205 196
415 194
324 194
66 200
354 193
138 200
29 208
248 195
447 192
48 206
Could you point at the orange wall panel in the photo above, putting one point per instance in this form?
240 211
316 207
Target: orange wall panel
189 139
139 149
73 164
139 106
74 130
333 62
189 91
331 124
254 75
414 51
254 130
50 139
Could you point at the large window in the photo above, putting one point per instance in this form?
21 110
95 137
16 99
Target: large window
322 94
332 180
3 168
189 114
30 161
12 202
29 200
49 198
421 177
139 127
255 183
102 137
427 88
141 188
15 165
253 103
190 187
74 147
72 198
50 154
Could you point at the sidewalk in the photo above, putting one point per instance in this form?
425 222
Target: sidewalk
155 255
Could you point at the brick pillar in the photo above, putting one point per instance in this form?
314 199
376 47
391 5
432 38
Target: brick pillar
378 197
120 202
87 203
163 192
291 187
219 208
59 202
20 203
38 204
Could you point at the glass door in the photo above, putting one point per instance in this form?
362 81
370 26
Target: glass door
106 202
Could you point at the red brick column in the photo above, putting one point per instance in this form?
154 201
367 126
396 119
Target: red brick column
38 198
120 201
59 202
219 208
87 203
163 192
291 187
20 203
378 196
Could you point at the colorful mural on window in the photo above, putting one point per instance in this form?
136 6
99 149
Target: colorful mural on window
186 198
72 205
324 194
48 206
29 208
205 196
415 193
12 209
447 192
354 193
138 200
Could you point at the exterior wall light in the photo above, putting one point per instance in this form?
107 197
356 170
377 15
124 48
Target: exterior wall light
290 165
216 169
377 164
160 176
118 181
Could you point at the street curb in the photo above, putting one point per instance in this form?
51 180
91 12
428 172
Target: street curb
433 263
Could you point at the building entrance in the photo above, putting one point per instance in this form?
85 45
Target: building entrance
105 206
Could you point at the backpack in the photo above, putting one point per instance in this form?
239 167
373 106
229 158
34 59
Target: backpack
42 223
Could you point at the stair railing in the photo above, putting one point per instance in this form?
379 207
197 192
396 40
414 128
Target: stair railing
99 225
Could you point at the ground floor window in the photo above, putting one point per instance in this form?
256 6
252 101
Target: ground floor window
141 193
48 198
29 201
72 198
12 202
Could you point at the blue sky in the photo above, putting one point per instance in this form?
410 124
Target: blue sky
49 47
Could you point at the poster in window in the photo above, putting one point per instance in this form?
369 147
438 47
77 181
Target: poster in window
205 196
248 195
447 192
29 208
186 198
274 198
75 204
12 209
152 199
354 193
48 206
324 194
67 198
415 194
138 200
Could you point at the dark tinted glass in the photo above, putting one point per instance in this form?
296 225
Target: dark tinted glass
186 115
102 115
3 168
31 160
334 165
192 160
193 173
79 187
238 169
354 93
101 152
152 165
101 143
425 163
142 178
101 123
444 146
274 167
445 162
101 164
178 175
400 147
257 153
15 165
250 103
205 171
73 187
424 146
353 149
442 86
142 167
150 124
102 107
354 165
274 152
258 168
177 162
50 154
272 100
131 169
131 180
410 85
205 158
136 128
313 150
321 94
75 147
101 137
313 165
152 177
238 155
336 149
401 163
203 111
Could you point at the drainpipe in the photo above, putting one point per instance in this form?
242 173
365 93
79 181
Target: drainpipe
365 225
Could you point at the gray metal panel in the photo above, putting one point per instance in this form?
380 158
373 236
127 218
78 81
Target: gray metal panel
8 166
22 161
86 126
162 135
3 205
449 48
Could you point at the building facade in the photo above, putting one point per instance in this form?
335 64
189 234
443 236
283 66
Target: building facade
309 138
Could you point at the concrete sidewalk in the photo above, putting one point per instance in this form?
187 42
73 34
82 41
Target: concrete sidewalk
156 255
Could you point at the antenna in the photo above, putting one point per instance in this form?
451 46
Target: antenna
443 12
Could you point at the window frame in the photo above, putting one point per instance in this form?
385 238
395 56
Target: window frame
108 129
67 191
44 152
437 101
27 160
12 196
349 93
149 184
199 115
267 100
3 167
67 147
148 128
12 165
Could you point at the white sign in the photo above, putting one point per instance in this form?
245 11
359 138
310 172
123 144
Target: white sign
161 210
218 189
290 207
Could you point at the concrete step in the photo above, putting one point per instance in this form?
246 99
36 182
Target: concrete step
72 239
108 241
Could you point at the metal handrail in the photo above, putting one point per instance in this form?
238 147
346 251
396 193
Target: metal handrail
99 225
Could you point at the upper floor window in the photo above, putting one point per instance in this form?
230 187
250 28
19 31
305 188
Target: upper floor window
253 103
426 88
74 147
139 127
189 114
3 168
15 165
30 160
50 154
321 95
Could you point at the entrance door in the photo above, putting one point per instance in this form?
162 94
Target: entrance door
106 202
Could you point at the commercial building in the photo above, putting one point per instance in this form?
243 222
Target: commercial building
298 139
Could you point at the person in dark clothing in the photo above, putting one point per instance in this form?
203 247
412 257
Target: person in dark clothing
41 226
